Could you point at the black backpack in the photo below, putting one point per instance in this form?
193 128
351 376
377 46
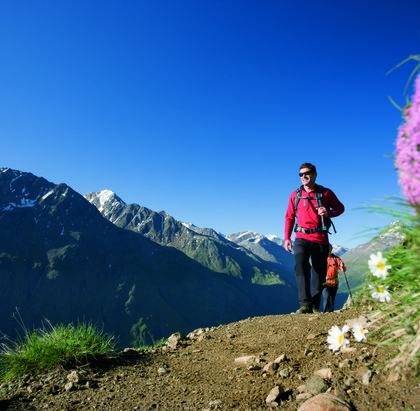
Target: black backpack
326 222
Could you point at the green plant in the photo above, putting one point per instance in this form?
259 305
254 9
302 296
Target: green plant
158 343
400 318
51 346
394 283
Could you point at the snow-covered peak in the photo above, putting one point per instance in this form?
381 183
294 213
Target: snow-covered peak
393 231
338 249
244 236
189 225
106 201
105 195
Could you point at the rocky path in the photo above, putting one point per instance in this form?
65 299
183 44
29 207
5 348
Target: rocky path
275 362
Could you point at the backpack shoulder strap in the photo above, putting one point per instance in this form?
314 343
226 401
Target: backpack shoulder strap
335 259
319 191
298 196
318 196
325 224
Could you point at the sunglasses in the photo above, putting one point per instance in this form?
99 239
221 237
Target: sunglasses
306 173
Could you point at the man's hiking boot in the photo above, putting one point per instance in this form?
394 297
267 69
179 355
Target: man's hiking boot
304 310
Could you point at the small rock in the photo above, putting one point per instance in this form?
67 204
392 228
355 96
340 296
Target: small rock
271 367
346 363
74 377
323 402
90 384
324 373
284 373
316 385
175 339
349 382
303 397
216 403
162 370
280 359
274 394
247 360
348 350
69 386
367 377
362 371
301 388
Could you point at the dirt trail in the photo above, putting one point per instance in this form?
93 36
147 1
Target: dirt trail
201 374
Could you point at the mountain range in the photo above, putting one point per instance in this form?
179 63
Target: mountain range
139 274
62 260
228 255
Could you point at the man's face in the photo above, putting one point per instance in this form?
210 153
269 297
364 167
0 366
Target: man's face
307 177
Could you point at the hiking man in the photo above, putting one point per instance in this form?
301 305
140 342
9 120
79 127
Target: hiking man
334 263
311 206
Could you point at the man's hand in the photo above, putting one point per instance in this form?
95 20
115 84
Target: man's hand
323 211
288 246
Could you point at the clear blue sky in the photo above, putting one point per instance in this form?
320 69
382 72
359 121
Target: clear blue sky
206 109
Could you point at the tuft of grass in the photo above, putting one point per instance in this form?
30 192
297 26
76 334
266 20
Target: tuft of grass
157 344
397 322
51 346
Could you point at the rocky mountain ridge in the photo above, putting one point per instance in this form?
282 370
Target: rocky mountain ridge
62 260
205 245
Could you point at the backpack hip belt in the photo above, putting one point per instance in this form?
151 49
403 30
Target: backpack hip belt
299 229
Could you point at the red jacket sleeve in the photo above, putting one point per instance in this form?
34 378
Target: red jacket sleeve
290 217
334 205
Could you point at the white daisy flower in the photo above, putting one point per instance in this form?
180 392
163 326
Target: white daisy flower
359 332
336 338
380 293
377 265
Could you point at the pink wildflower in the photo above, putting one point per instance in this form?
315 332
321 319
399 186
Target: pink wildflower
408 149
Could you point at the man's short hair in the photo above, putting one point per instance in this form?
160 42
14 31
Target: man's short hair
311 167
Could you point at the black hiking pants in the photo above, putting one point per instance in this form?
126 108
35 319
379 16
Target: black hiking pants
318 254
328 297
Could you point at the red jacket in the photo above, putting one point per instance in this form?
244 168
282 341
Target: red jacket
308 216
